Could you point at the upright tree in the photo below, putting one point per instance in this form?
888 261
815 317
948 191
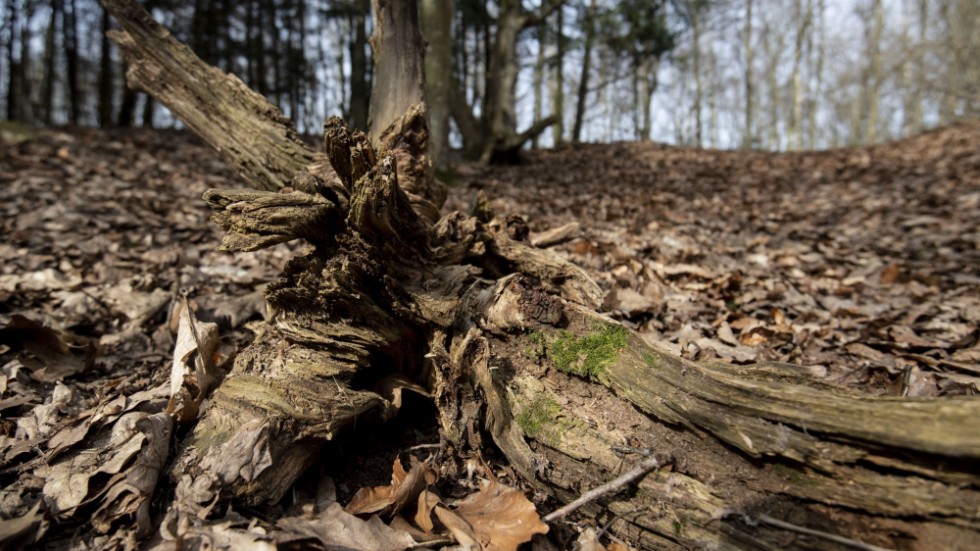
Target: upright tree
494 135
437 21
748 52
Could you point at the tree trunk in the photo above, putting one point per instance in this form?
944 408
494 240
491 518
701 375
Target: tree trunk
47 94
74 89
24 95
583 81
493 326
13 70
399 64
747 137
437 25
876 75
698 93
105 74
648 74
497 138
538 79
795 130
360 89
558 80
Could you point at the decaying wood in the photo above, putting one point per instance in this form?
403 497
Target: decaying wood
508 341
249 132
495 323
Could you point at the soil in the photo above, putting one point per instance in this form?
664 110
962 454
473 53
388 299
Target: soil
862 264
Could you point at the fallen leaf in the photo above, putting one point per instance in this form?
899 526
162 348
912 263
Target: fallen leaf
501 517
337 529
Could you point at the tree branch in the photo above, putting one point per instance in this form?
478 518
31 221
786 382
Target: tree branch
250 132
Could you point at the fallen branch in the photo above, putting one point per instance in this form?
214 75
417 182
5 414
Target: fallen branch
611 487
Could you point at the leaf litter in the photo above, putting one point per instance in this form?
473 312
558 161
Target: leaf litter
118 314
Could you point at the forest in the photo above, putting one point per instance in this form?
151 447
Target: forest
760 74
490 275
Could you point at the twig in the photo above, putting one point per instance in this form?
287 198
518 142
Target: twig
766 519
613 486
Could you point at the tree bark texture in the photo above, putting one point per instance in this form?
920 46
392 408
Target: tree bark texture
506 339
437 24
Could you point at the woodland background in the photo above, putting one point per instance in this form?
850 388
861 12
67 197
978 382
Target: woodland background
767 74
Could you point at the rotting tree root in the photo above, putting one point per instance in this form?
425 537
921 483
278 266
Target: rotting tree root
499 331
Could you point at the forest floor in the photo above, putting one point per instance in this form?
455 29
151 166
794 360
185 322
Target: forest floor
862 264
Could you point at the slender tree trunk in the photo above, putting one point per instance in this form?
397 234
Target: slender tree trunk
360 91
149 108
105 74
772 54
47 108
437 27
272 20
75 92
648 86
25 67
583 80
795 130
817 52
261 55
558 81
538 78
698 93
747 137
13 68
127 108
915 109
876 73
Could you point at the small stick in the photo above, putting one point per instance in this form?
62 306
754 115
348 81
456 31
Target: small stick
613 486
766 519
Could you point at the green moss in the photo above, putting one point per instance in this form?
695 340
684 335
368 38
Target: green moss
590 355
538 347
539 419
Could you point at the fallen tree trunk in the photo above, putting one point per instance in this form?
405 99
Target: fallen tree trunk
507 340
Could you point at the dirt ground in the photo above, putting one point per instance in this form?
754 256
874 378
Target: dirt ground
862 264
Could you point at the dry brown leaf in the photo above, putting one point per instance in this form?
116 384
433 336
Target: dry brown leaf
192 369
24 531
51 355
458 527
128 494
501 517
405 488
336 529
423 514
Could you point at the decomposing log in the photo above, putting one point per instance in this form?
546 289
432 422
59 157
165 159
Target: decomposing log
507 340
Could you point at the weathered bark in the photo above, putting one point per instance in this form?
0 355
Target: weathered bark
507 339
398 64
251 133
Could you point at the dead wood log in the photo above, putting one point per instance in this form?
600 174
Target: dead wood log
508 341
499 327
250 133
